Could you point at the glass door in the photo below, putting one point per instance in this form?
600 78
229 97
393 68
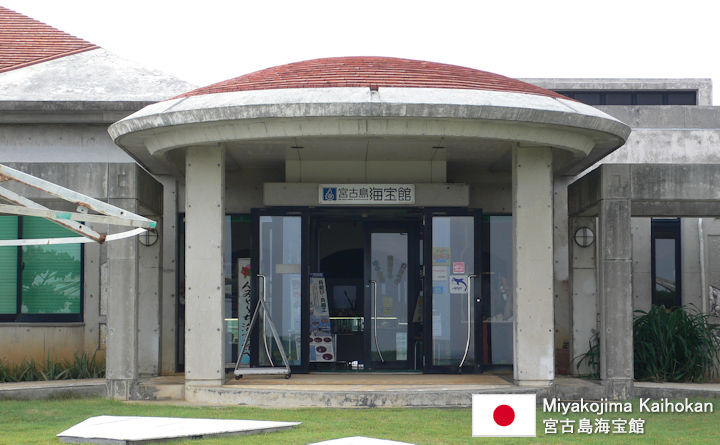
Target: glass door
279 280
390 262
453 338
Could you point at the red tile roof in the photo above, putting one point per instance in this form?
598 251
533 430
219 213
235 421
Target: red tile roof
25 41
372 72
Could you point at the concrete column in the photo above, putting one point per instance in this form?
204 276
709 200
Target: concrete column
584 310
149 308
204 274
122 312
91 307
561 275
615 282
168 302
642 264
533 265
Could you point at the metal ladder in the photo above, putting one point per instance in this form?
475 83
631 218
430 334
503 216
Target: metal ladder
272 370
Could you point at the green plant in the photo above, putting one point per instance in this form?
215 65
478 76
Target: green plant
4 371
85 366
82 366
53 370
678 345
30 371
591 356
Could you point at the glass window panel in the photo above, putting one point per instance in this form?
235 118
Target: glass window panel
8 266
650 98
618 98
665 272
280 262
588 97
498 323
51 275
453 259
682 98
388 262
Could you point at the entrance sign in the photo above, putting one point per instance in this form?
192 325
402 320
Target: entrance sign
321 339
366 194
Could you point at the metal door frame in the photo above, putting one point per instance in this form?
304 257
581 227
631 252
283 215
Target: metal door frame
477 365
413 240
303 213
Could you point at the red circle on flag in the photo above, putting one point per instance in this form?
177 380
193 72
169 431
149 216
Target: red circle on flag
504 415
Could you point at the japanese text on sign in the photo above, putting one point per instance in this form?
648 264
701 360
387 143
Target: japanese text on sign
372 194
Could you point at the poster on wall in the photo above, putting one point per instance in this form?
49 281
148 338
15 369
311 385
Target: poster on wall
441 256
321 340
244 289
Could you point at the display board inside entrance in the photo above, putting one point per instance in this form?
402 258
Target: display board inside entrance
321 339
243 308
366 194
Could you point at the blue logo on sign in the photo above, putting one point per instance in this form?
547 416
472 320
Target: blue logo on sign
329 193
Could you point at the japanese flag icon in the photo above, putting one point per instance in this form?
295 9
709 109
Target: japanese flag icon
503 415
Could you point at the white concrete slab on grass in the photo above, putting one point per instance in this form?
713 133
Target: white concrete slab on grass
122 430
360 440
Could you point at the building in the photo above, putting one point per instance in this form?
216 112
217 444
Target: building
58 94
463 221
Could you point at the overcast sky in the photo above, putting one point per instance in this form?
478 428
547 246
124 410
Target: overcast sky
211 40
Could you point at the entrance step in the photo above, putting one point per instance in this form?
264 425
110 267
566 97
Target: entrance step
161 388
353 390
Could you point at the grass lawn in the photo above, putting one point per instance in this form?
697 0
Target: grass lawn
37 422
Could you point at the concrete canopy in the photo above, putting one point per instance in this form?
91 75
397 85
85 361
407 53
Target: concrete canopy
387 106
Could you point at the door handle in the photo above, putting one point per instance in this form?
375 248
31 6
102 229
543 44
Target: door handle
469 319
373 285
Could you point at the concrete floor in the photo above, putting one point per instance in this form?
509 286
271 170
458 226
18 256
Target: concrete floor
334 389
322 381
353 390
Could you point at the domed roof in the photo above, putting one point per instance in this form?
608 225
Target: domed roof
373 73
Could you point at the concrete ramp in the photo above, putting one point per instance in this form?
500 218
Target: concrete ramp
125 430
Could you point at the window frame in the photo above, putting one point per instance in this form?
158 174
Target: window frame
602 96
666 229
19 317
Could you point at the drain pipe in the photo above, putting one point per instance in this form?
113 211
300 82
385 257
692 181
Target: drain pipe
703 284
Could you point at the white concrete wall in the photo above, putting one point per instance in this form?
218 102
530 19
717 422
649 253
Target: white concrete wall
365 171
59 143
669 146
39 341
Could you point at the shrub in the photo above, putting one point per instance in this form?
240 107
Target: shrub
673 346
591 356
82 366
54 370
669 346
